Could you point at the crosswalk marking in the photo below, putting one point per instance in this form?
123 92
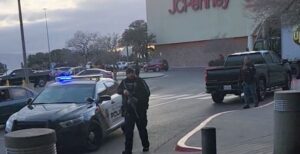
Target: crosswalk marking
194 96
201 96
173 97
207 97
160 96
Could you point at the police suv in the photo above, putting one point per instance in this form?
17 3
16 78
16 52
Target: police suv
81 110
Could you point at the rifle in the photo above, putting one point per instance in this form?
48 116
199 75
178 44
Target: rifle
132 101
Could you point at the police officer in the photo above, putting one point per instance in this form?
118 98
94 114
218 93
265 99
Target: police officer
135 94
137 68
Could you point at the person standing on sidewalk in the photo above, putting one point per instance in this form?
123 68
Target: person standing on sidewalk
135 94
248 73
137 68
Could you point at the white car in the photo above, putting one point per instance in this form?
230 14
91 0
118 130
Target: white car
122 65
96 71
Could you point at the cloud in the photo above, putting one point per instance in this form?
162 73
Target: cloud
65 17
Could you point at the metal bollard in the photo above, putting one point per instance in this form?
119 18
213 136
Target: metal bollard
31 141
287 122
209 145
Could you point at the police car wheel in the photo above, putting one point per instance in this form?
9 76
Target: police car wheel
94 137
42 83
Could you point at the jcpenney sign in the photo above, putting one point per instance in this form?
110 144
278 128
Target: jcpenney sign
182 6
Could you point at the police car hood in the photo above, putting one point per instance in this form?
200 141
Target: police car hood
51 112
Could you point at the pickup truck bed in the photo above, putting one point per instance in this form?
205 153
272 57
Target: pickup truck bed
270 74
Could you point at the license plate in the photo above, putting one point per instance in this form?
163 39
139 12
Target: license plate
227 87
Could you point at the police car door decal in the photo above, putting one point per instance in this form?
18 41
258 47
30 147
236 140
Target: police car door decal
115 111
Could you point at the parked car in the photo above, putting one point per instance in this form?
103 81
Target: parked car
96 71
61 71
82 112
17 76
157 65
12 99
271 73
76 70
122 65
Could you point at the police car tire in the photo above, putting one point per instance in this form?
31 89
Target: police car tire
97 130
42 82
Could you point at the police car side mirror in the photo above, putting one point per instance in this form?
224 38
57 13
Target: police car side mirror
90 100
29 103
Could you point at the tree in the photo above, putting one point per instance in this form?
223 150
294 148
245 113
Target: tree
3 68
264 9
104 49
65 57
137 36
82 43
39 60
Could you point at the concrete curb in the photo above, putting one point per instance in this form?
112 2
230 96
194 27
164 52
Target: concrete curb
181 144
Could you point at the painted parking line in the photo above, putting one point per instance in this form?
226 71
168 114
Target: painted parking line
179 96
203 98
181 144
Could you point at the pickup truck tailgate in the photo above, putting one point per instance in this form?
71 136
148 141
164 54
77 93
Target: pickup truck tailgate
222 75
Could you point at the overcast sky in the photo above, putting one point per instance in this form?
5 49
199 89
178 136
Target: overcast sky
65 17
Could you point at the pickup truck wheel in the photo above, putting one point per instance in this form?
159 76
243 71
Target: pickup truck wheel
217 97
288 83
42 82
261 90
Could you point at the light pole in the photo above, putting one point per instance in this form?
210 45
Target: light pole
47 35
23 43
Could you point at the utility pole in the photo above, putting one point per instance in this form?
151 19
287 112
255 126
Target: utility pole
127 53
47 35
23 43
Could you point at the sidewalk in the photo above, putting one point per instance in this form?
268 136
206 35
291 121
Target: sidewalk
243 131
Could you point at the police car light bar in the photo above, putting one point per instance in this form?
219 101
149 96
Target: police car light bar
63 79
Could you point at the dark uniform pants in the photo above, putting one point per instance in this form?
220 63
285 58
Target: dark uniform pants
141 123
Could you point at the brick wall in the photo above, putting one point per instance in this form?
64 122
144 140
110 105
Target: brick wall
198 54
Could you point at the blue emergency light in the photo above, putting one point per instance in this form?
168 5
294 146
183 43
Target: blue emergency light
63 79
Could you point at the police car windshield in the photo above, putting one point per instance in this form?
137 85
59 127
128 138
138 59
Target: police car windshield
66 94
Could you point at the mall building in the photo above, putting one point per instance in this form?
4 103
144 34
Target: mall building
190 33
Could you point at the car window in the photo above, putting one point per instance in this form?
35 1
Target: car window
109 84
100 87
18 93
18 72
268 58
237 60
66 94
275 58
90 72
29 93
4 95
